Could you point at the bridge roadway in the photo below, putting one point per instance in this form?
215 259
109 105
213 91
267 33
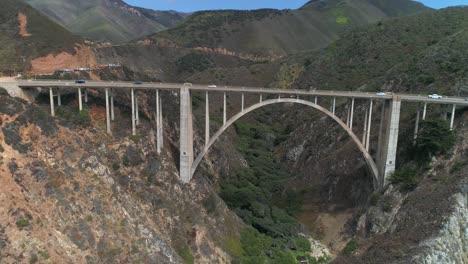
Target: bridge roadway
381 167
256 90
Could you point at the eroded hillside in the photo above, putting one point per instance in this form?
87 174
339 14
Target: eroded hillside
70 193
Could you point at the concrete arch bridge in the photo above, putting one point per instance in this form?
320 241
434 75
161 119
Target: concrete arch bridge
381 165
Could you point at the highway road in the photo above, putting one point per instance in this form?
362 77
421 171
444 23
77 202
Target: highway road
256 90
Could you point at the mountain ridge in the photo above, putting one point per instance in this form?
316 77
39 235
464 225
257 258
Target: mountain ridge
271 32
107 20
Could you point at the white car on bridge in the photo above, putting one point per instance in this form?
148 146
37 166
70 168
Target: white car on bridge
435 96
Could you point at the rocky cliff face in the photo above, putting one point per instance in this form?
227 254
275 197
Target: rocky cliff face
70 193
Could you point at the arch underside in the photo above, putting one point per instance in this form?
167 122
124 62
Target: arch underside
370 162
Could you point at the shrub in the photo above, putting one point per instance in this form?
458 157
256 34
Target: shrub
406 178
458 166
22 223
387 203
351 247
374 199
435 137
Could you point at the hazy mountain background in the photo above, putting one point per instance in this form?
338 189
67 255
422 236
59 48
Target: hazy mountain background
111 20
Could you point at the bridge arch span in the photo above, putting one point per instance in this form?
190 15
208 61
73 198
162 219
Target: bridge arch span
370 162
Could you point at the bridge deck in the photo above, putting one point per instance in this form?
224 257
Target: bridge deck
256 90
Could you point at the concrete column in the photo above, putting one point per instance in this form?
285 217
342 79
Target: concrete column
207 120
133 113
137 110
316 100
424 111
59 98
348 114
364 131
112 104
389 143
225 110
86 96
186 135
80 100
445 111
334 105
369 126
452 118
108 124
261 98
52 107
161 126
352 115
158 142
416 126
243 101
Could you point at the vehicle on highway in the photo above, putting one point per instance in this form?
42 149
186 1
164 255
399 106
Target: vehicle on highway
212 86
80 81
138 82
435 96
380 94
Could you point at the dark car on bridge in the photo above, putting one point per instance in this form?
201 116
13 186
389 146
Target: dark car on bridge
80 81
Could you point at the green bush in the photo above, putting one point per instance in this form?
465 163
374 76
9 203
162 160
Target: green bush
434 137
22 223
406 178
458 166
351 247
185 254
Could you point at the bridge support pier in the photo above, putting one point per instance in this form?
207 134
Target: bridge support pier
112 104
137 110
186 135
225 110
108 124
159 124
80 100
388 141
416 126
369 125
59 98
207 120
452 118
243 102
334 105
133 113
352 115
364 130
86 96
52 107
424 111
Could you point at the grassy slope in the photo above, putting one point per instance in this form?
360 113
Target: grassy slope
420 52
46 37
105 19
275 33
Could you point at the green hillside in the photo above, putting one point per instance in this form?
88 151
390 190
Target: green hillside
105 19
421 52
45 37
277 33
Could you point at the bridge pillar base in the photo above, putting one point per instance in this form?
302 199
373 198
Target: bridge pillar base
388 141
186 135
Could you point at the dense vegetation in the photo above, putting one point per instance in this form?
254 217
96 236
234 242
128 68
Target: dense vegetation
255 192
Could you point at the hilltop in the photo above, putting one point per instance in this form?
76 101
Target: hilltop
107 20
274 33
27 34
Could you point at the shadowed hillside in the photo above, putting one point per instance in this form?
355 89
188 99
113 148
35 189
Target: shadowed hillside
276 33
107 20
